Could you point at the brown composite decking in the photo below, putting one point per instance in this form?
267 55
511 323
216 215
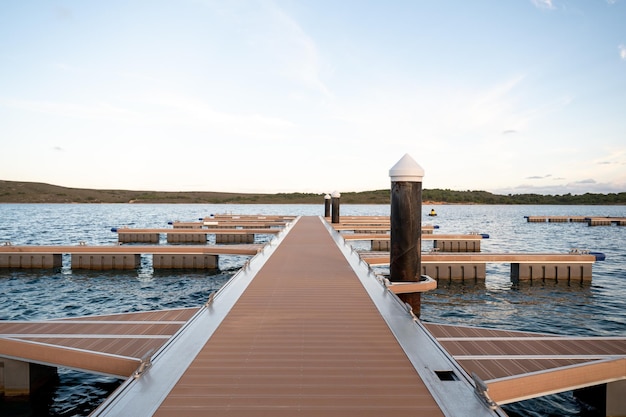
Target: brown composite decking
303 339
208 231
239 249
520 365
382 258
109 344
426 236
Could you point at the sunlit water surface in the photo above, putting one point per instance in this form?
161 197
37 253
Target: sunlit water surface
595 309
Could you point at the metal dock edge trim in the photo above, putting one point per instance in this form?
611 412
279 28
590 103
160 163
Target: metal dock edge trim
142 396
454 397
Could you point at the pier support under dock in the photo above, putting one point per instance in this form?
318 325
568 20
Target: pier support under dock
138 237
457 245
188 261
557 271
105 262
472 245
31 260
18 378
455 271
243 238
381 245
615 399
599 222
186 238
608 397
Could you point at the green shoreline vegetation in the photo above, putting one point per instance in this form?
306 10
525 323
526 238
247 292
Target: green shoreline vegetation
34 192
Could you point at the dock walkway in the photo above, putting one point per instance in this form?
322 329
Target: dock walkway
306 336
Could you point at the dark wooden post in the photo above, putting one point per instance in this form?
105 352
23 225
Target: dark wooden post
335 196
327 205
406 226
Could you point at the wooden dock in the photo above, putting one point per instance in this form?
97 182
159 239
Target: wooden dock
441 242
305 337
194 235
306 328
120 257
113 345
590 220
569 267
520 365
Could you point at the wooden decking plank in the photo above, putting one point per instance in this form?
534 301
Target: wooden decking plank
72 358
110 344
530 385
521 365
236 249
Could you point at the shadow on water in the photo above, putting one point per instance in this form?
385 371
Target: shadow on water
72 393
566 403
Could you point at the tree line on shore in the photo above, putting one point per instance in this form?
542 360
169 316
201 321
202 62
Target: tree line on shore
31 192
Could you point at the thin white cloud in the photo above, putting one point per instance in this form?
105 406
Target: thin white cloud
586 181
543 4
98 111
622 52
289 40
576 187
165 110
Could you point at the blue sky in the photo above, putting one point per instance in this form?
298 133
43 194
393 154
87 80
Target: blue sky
314 96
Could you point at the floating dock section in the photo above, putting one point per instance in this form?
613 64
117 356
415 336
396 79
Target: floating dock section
574 267
441 242
590 220
121 257
193 235
459 256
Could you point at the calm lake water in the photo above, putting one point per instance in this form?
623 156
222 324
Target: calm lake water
594 309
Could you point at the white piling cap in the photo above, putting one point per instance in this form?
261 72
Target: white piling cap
406 169
335 194
327 197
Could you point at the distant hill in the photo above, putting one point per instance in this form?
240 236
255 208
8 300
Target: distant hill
34 192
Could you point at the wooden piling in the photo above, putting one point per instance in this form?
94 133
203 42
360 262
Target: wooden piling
406 226
327 206
335 197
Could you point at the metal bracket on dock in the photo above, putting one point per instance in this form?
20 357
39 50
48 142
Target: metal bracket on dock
409 310
146 362
480 389
425 283
210 299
